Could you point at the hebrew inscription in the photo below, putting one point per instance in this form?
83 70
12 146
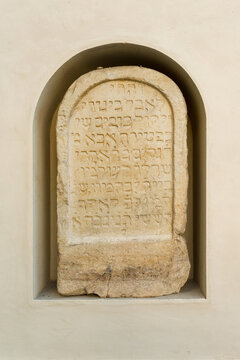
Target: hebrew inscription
120 164
122 185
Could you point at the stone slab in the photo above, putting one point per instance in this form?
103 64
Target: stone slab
122 185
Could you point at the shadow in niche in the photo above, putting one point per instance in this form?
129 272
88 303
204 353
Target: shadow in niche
44 256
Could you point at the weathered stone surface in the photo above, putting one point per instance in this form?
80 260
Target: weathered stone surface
122 185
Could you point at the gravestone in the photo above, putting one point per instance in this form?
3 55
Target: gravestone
122 185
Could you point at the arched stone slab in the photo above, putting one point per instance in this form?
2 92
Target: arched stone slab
122 185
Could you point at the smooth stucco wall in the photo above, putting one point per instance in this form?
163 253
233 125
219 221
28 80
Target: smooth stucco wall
36 39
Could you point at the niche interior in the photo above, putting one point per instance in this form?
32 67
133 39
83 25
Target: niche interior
44 165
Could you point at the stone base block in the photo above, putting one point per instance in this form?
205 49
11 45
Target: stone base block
136 269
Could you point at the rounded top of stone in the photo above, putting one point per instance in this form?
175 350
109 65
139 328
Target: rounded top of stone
134 73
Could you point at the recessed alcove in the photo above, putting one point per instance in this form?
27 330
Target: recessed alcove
44 165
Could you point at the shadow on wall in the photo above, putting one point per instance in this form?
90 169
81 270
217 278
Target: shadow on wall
44 153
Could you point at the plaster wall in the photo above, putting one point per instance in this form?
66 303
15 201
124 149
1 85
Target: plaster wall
36 39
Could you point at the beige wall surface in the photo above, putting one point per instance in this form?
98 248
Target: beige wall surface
37 37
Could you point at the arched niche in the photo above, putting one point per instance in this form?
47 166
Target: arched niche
44 158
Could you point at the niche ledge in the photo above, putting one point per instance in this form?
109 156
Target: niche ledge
190 292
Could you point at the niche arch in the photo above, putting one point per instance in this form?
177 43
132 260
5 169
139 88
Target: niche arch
44 155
